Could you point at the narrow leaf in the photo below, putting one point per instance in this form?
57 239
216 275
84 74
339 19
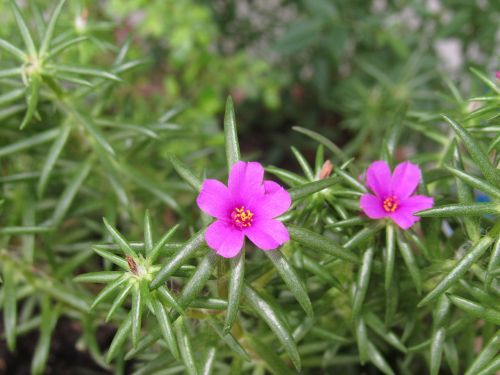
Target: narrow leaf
362 283
165 327
23 29
52 157
21 56
196 242
185 347
490 173
235 289
9 305
50 316
314 241
291 279
273 320
463 265
458 210
310 188
231 135
185 173
119 239
49 31
32 99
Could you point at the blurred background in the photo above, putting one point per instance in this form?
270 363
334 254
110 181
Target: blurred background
338 67
342 68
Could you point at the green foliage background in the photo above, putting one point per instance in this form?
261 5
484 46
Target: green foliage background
117 110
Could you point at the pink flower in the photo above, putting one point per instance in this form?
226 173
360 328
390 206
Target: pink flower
248 207
393 194
497 74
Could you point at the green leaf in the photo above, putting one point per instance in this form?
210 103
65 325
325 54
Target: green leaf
208 362
458 210
390 255
324 141
119 261
32 99
451 355
379 327
165 327
185 173
288 177
475 182
148 234
56 50
8 231
303 164
52 157
98 277
436 350
21 56
267 354
485 357
485 79
475 309
120 338
185 347
195 243
235 289
110 289
165 294
362 283
313 241
23 29
231 135
310 188
410 262
229 340
291 279
463 265
490 173
378 360
11 96
136 314
465 195
273 320
119 239
49 31
361 340
91 129
493 264
9 311
491 368
6 73
50 316
84 71
29 142
199 279
118 301
69 193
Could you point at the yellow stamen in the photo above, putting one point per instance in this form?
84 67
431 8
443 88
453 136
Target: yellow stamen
390 204
242 218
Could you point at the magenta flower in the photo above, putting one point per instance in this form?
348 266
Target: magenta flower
497 74
248 207
394 194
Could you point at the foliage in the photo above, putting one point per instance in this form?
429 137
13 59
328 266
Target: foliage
103 153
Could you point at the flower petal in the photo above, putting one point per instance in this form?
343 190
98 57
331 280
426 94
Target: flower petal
215 199
226 240
245 180
372 206
405 180
417 203
268 234
275 202
378 177
404 218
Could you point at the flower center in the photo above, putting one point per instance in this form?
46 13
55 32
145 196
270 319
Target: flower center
390 204
241 217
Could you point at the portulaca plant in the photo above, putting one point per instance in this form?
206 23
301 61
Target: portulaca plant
121 235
